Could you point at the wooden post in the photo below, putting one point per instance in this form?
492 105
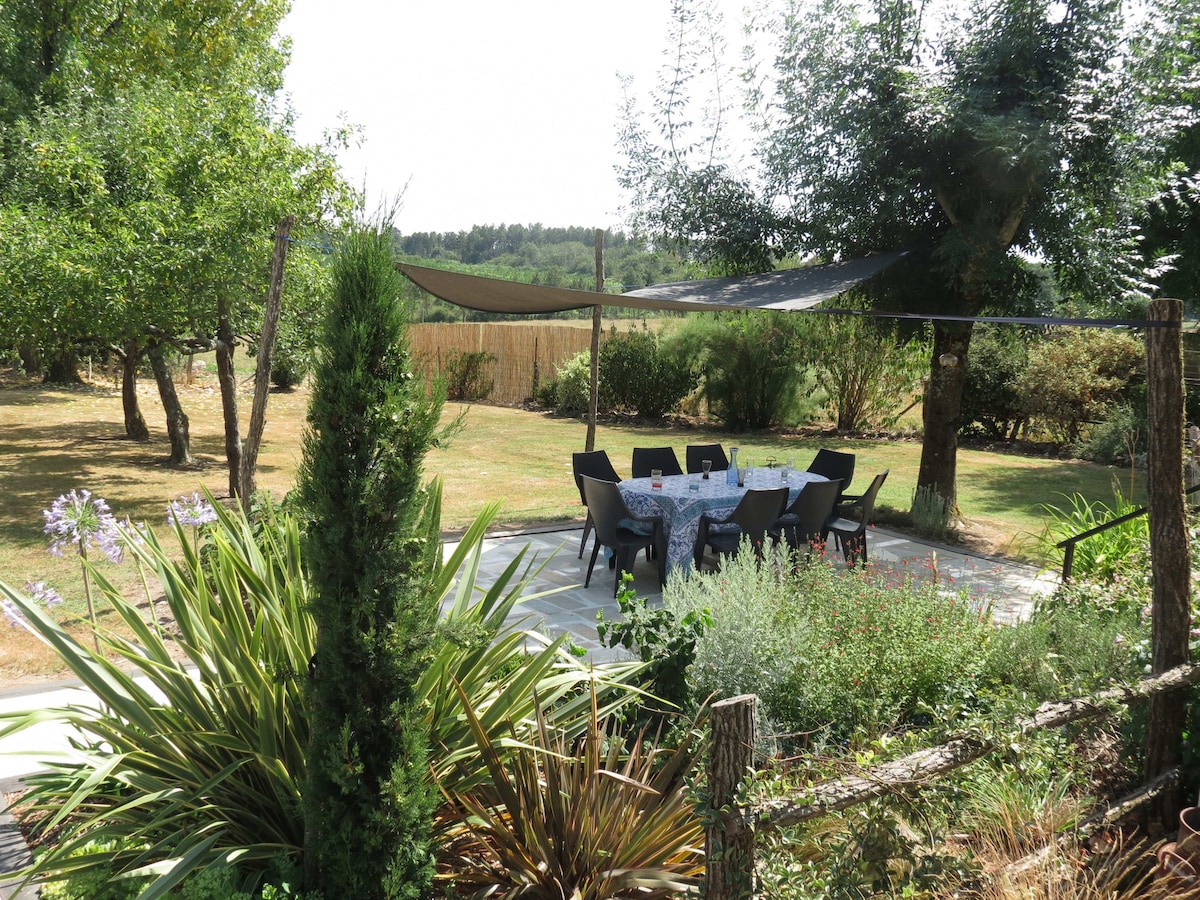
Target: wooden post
728 842
589 443
262 372
1168 536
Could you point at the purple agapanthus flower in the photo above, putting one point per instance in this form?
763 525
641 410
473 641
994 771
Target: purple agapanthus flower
132 533
79 518
193 510
12 615
40 592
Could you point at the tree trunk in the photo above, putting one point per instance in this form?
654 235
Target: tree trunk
1168 538
62 368
227 378
135 422
262 372
177 420
31 359
943 402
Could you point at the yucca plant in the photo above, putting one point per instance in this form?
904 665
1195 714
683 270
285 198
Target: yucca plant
588 818
194 753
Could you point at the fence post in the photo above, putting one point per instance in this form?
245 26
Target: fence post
728 842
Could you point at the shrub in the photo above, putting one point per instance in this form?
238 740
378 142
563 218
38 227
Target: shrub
466 378
215 772
658 637
1121 437
1076 376
637 376
1066 649
93 882
992 403
825 648
752 365
867 371
930 513
573 385
598 817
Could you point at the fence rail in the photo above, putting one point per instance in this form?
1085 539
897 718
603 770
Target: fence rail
729 834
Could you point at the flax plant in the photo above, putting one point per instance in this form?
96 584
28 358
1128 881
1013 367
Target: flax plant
590 818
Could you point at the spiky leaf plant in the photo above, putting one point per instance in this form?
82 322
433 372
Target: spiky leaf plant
193 752
592 818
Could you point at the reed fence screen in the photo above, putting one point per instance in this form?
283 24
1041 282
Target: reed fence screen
525 355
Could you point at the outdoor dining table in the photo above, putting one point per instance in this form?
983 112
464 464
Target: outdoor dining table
681 507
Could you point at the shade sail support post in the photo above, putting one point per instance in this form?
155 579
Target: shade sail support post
589 443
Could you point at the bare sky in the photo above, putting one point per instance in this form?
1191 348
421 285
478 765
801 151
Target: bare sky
492 113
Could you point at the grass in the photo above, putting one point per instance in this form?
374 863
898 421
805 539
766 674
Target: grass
53 440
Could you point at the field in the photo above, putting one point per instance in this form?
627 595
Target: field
53 440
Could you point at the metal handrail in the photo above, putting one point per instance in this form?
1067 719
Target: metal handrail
1068 545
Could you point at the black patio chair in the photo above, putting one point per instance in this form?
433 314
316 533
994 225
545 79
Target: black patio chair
834 465
647 458
753 517
806 521
595 464
611 518
695 454
851 533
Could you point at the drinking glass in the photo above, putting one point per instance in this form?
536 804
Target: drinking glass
656 479
706 464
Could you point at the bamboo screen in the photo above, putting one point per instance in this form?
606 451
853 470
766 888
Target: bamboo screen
520 351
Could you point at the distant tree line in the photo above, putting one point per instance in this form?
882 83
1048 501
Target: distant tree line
535 254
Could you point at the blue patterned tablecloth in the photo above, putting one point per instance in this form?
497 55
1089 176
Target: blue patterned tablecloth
681 509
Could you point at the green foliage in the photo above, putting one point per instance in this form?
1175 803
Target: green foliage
372 547
572 385
466 378
992 405
1121 437
867 370
752 365
1076 642
930 513
225 756
666 642
638 376
215 773
1103 556
600 817
1077 376
1016 809
848 651
93 882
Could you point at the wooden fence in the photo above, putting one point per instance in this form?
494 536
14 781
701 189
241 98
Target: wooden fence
730 834
525 355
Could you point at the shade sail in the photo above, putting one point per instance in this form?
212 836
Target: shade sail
791 289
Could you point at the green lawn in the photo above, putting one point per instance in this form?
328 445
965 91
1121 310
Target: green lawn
54 440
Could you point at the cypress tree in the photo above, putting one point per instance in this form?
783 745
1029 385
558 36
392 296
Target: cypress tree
371 545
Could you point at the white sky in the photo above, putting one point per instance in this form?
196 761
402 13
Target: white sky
493 113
